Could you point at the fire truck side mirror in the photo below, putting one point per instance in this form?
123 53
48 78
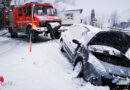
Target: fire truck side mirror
55 11
33 10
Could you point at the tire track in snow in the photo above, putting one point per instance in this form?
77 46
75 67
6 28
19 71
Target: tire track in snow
3 34
7 45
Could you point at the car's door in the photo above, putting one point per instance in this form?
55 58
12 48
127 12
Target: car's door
75 33
67 42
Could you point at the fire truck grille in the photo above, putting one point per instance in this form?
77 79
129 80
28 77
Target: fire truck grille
42 23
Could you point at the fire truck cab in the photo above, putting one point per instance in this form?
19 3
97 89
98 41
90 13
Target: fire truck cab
34 19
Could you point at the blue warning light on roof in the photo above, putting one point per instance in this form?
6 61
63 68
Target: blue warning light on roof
33 2
47 3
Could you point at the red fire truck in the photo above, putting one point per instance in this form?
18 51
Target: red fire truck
39 17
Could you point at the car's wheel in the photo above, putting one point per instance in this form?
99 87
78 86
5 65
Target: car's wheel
78 69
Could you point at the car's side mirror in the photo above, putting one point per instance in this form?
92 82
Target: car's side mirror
76 42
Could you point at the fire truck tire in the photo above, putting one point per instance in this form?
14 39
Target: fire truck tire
55 34
9 29
34 36
14 34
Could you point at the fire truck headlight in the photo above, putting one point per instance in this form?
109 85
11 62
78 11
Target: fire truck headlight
62 28
42 29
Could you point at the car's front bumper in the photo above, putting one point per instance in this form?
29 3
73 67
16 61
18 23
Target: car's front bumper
123 83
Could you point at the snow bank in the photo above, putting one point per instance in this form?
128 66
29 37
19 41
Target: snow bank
3 31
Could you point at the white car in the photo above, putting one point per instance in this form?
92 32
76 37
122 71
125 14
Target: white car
100 57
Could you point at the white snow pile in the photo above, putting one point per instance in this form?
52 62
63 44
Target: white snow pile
3 31
45 68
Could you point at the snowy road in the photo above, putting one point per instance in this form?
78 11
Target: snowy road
46 68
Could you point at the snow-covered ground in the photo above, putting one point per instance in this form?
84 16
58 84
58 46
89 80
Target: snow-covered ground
45 68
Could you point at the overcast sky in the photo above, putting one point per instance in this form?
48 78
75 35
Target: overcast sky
103 6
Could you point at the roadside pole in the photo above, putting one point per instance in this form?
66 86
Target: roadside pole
31 31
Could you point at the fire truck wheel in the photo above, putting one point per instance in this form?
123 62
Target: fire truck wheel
33 34
34 38
14 34
55 34
28 30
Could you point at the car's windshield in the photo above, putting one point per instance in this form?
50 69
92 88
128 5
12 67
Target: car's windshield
44 10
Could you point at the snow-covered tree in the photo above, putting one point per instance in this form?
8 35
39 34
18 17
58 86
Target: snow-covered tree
101 21
18 2
21 2
92 17
113 19
71 2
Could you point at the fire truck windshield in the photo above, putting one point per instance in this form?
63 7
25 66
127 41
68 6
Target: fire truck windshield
44 10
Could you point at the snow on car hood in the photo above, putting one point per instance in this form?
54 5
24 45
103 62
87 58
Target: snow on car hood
108 67
116 70
110 60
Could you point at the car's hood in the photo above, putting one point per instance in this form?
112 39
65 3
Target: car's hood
115 39
116 70
111 59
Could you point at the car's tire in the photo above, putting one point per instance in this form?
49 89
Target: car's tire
78 69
